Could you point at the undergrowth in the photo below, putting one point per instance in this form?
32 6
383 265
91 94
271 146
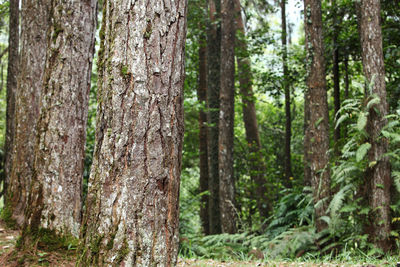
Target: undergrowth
291 234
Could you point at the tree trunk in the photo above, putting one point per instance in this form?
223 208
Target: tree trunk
203 151
346 77
213 88
56 188
379 173
132 212
317 130
257 163
12 74
336 77
307 144
34 25
286 88
227 118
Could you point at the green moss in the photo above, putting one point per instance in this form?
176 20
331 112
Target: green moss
6 216
124 70
56 32
148 31
95 245
49 240
110 243
122 252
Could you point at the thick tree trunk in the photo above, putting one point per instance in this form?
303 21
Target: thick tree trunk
34 25
12 74
213 88
56 188
336 77
378 173
203 151
227 118
317 130
257 164
132 205
286 88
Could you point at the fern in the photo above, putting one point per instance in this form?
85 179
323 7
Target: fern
362 151
338 199
362 121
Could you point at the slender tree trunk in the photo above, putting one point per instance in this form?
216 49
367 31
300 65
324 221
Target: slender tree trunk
56 187
286 88
257 163
132 212
307 143
34 25
346 77
379 173
317 130
213 88
12 74
203 151
336 76
227 118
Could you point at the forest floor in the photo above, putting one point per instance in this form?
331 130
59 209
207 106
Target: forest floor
10 258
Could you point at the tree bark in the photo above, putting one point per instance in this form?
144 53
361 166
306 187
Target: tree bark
132 212
12 74
286 88
34 25
213 88
346 77
56 187
378 174
203 151
257 163
307 144
336 77
317 130
227 118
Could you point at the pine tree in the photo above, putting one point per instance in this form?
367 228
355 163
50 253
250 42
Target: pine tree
132 215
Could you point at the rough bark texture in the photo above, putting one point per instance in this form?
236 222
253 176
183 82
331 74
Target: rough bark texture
307 144
317 130
336 77
227 118
379 174
213 88
286 89
257 163
12 73
55 196
34 24
132 205
203 150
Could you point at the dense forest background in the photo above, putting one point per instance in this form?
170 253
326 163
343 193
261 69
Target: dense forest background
272 210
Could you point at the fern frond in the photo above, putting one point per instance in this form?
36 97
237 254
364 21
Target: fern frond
337 200
362 151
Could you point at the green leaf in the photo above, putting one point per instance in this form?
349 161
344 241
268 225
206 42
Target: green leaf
373 101
396 178
364 211
362 151
394 137
381 186
318 122
341 119
372 164
362 121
